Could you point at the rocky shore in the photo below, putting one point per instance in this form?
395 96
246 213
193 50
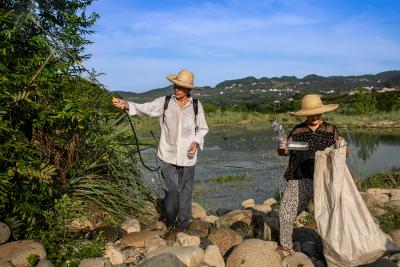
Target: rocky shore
245 237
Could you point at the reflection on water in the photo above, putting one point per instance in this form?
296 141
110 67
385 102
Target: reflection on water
252 152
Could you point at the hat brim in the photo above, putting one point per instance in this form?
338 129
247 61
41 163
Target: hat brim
172 78
310 112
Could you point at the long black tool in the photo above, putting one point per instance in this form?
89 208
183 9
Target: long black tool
62 47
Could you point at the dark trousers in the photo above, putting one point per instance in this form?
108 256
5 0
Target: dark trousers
178 189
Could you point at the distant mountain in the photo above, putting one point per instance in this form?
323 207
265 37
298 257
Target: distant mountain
250 89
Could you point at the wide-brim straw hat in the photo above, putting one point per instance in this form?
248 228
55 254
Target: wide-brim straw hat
312 105
184 79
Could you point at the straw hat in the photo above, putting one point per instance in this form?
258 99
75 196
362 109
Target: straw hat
312 105
184 78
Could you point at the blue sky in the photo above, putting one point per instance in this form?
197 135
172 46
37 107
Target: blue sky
137 43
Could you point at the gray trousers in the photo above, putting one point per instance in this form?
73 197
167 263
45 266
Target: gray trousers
178 190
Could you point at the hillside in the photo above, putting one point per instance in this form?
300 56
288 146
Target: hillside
249 91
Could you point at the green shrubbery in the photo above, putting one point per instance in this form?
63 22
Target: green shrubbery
61 140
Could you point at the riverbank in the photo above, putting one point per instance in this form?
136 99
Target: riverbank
382 120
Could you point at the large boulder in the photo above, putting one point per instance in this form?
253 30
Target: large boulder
382 195
17 252
163 260
114 254
191 256
83 223
45 263
395 235
270 201
5 233
138 239
186 240
232 217
248 203
156 226
110 233
95 262
131 226
211 219
254 253
199 227
297 259
198 212
394 194
225 239
213 257
262 208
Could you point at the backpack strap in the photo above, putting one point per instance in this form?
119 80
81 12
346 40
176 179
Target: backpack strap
167 99
196 111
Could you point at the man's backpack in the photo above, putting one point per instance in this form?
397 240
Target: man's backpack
195 108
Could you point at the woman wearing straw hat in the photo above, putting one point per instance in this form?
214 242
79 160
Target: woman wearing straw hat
183 127
299 174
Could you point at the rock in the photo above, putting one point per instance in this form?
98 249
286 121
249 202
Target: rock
154 243
45 263
230 218
198 212
133 255
137 239
188 240
297 259
17 252
156 226
297 246
110 233
5 233
370 199
191 256
211 219
395 257
95 262
395 235
243 229
163 260
394 194
131 226
254 253
380 263
262 208
114 254
170 236
303 234
270 201
308 248
83 223
382 195
247 203
267 232
225 239
6 264
213 257
199 227
320 264
222 211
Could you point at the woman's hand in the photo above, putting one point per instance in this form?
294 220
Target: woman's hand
283 148
120 103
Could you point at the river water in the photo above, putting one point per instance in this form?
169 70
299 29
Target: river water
251 151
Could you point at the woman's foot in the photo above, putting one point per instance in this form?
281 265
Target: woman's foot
284 252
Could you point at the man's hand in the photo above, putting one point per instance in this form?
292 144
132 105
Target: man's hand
192 150
120 103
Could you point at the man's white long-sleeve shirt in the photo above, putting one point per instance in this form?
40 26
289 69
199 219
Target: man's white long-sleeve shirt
178 131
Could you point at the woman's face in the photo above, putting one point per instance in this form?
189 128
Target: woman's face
314 120
180 92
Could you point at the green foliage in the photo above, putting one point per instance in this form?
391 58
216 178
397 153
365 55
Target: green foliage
390 220
60 135
33 260
229 178
64 245
388 180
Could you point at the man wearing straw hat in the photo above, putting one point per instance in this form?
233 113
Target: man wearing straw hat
299 175
183 127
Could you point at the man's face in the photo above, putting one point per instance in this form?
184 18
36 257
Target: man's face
314 119
180 92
